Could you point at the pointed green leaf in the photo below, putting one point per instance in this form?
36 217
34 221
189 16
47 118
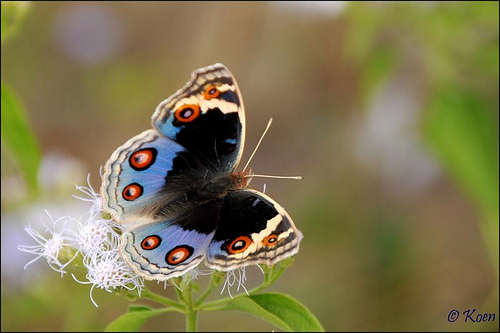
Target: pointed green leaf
133 320
281 310
462 129
463 132
18 137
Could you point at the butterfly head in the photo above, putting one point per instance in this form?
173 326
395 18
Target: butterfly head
242 179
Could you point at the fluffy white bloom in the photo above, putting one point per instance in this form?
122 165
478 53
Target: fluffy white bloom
96 238
56 237
99 241
92 196
97 235
108 271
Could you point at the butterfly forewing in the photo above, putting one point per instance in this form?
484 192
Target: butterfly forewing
206 117
146 179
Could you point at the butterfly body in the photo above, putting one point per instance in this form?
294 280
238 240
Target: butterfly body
175 190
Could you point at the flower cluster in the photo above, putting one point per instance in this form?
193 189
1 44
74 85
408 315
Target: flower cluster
92 240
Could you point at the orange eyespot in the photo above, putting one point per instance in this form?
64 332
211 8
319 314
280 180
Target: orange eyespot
143 159
151 242
270 240
179 254
187 113
132 192
211 92
240 244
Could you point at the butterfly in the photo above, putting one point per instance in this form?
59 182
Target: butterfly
175 191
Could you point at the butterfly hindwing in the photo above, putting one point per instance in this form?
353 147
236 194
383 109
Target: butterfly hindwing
252 229
206 117
166 249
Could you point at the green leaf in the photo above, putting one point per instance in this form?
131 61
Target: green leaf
13 14
462 129
281 310
18 137
133 320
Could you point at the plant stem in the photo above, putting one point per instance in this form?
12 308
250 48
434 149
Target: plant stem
191 320
146 293
177 282
179 295
215 280
191 313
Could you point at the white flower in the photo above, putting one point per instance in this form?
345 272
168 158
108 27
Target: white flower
97 235
99 242
96 238
50 246
92 195
108 271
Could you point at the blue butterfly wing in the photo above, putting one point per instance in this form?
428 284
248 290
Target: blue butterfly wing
166 249
252 229
206 117
146 178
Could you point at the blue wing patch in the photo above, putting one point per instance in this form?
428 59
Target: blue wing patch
135 175
162 250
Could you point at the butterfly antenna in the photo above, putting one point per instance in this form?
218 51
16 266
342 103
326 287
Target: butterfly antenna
258 144
277 177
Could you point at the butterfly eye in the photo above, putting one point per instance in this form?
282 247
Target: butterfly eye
132 192
143 159
187 113
270 240
178 254
240 244
211 92
151 242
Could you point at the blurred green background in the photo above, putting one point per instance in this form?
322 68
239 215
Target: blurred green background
388 110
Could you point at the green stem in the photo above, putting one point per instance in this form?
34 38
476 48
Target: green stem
146 293
215 280
169 309
177 282
191 320
191 312
180 295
